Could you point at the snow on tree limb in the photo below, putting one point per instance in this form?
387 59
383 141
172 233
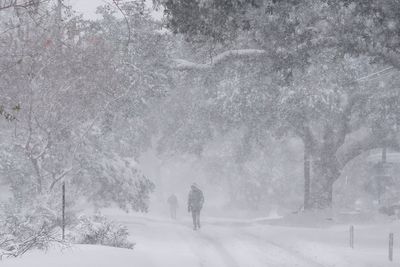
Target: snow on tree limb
20 4
182 64
363 141
376 75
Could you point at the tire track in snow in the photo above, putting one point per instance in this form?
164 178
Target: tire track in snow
198 248
224 254
193 248
290 251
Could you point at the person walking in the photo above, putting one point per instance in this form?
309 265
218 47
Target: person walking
195 204
173 205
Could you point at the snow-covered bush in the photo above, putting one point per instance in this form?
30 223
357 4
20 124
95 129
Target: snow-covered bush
26 228
100 230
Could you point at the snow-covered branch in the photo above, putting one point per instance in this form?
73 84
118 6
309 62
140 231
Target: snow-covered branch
60 177
182 64
362 141
376 75
19 4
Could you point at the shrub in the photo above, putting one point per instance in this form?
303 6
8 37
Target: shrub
100 230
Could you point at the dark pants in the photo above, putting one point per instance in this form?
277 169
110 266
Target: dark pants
196 218
172 210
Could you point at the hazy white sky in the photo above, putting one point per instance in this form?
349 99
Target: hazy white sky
88 7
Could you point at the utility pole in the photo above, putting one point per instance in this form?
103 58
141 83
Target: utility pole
391 247
384 154
63 211
382 173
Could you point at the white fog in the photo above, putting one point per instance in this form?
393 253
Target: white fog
209 133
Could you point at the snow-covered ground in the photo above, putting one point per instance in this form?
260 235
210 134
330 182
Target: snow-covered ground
227 242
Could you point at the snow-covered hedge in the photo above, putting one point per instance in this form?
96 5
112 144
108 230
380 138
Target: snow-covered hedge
100 230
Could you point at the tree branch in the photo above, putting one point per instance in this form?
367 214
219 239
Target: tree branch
364 141
115 2
48 142
344 127
182 64
56 180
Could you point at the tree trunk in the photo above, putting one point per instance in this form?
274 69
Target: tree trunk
325 173
307 178
322 192
63 211
384 154
35 164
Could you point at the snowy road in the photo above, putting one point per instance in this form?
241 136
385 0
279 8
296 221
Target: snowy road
216 244
242 243
161 242
230 246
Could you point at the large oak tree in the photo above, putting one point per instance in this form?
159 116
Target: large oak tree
320 64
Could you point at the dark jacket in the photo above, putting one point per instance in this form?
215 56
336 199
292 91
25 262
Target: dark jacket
195 199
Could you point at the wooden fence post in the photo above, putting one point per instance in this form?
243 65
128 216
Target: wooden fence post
391 246
351 236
